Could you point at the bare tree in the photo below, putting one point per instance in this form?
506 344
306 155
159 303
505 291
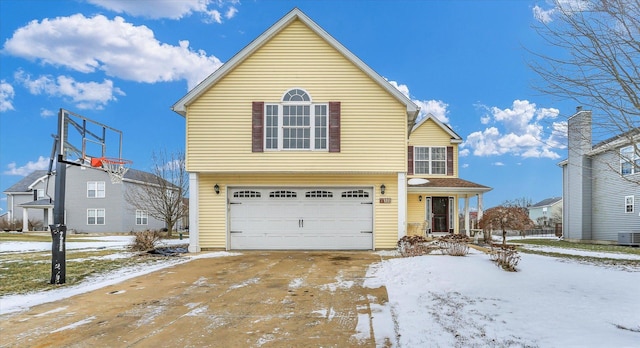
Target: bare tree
508 216
161 193
596 63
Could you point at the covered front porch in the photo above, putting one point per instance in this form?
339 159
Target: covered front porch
433 207
45 206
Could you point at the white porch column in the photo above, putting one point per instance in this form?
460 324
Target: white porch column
194 238
402 205
479 206
49 218
466 216
25 220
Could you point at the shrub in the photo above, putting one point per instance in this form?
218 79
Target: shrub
454 244
146 240
414 246
505 256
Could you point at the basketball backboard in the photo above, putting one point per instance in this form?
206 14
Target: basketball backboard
80 139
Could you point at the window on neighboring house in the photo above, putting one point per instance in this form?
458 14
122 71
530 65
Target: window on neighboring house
628 204
95 189
142 218
38 194
630 160
95 216
430 160
296 123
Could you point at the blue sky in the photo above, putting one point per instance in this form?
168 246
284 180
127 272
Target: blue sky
124 63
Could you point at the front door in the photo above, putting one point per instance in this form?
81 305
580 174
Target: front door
440 213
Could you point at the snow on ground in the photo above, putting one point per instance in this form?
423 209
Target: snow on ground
97 242
447 301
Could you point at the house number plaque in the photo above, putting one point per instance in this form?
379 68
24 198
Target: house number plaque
385 200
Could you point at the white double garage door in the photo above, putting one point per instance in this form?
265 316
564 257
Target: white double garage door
294 218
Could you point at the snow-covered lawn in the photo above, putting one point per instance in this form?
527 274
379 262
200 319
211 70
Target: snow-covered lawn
447 301
97 242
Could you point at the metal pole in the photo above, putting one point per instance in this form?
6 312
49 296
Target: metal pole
59 229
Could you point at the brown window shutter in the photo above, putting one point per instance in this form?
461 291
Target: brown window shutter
449 160
410 160
334 126
257 127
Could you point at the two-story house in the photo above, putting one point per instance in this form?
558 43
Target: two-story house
547 212
295 143
93 203
600 183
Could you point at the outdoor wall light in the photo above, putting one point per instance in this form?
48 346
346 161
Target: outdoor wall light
216 188
420 198
382 188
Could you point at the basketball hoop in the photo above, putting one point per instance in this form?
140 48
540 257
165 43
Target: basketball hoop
115 167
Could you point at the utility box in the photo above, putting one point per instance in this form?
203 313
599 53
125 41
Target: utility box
629 238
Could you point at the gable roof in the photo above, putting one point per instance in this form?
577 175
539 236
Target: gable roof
25 184
180 106
455 138
546 202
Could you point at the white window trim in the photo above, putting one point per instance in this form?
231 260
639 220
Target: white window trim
626 204
143 216
634 158
312 123
429 161
39 193
96 184
95 210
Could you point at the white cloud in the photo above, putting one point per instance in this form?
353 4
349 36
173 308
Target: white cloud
464 153
542 15
560 6
465 165
85 95
437 108
118 48
518 131
171 9
497 164
6 96
41 164
46 113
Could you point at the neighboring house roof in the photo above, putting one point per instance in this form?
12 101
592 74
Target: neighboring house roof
180 106
24 185
546 202
616 141
455 138
41 203
450 185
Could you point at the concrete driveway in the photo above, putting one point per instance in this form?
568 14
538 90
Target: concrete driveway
257 299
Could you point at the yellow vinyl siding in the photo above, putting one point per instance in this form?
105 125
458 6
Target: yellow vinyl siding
430 134
416 209
212 224
373 122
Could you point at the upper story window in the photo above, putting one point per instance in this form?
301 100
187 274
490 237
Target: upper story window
95 189
430 160
296 123
38 194
630 160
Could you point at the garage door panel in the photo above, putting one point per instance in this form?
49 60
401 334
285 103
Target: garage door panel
301 218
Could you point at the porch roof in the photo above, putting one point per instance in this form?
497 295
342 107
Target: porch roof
41 203
451 185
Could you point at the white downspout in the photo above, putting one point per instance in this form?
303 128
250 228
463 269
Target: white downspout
402 205
194 237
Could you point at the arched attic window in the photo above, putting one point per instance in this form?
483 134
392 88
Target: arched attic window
296 95
295 123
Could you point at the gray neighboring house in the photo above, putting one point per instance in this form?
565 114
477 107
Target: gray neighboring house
600 197
92 204
547 212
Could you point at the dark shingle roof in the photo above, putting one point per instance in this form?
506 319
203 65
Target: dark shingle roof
546 202
451 182
23 185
